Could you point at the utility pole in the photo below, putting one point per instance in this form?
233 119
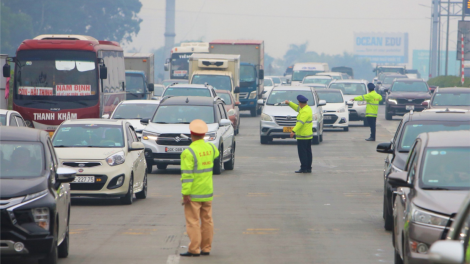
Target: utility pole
435 35
169 28
447 35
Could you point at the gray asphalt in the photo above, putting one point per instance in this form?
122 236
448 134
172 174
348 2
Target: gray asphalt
263 211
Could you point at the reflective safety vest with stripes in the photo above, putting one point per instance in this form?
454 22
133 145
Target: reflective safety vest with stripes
197 162
373 99
303 126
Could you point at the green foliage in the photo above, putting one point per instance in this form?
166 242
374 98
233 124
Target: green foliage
448 81
15 27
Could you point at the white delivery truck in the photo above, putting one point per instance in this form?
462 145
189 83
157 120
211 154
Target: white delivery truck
219 70
139 75
300 70
178 63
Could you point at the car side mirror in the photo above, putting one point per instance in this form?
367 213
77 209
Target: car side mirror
144 121
150 87
136 146
105 116
66 175
261 74
321 103
236 90
6 70
260 101
103 72
398 179
225 122
385 148
349 103
447 252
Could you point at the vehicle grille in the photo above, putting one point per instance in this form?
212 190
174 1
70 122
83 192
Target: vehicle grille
167 156
81 164
288 121
407 101
174 140
330 121
243 95
98 185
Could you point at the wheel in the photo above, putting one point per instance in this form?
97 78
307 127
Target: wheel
264 139
365 123
129 198
53 256
346 129
253 112
63 250
397 259
217 169
229 165
143 194
321 138
316 140
162 166
149 167
388 116
387 217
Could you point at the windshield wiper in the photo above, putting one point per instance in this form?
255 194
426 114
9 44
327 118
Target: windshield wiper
60 146
182 123
161 122
435 188
276 104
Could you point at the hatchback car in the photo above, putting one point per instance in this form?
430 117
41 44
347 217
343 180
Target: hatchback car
108 156
398 148
231 106
351 89
11 118
452 98
133 111
430 191
34 199
335 112
406 95
278 119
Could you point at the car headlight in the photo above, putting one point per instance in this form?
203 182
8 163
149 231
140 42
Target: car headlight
253 95
211 136
150 136
428 218
392 101
116 159
266 117
231 112
34 195
361 102
41 217
341 110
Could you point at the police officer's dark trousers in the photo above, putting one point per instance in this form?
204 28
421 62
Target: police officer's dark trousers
372 122
304 148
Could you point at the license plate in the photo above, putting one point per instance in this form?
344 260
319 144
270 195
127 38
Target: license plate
167 149
287 129
84 179
327 117
410 107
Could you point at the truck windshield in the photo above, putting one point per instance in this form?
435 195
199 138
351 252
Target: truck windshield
299 75
135 83
219 82
180 65
247 73
16 154
183 114
410 87
62 79
277 97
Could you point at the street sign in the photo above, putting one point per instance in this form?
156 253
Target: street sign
466 7
381 47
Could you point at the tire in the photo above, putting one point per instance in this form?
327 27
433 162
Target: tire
129 198
388 219
365 123
52 257
388 116
217 169
316 140
321 137
229 165
397 259
63 249
149 167
253 112
264 139
346 129
260 109
162 166
143 194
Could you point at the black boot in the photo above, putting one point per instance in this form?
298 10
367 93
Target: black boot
370 139
300 171
189 254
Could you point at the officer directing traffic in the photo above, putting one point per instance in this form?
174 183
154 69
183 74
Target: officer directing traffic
303 133
197 162
373 99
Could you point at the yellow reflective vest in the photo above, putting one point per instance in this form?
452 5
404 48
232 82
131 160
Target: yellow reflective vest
197 162
373 99
303 126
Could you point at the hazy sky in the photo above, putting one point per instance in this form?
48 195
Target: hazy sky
328 25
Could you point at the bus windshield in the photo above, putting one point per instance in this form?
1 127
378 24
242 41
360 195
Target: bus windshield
219 82
56 78
179 65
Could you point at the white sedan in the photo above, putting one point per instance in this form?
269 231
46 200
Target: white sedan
335 112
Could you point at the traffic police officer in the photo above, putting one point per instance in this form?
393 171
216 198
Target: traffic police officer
197 162
372 108
303 133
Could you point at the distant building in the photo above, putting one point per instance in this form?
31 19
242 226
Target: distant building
421 63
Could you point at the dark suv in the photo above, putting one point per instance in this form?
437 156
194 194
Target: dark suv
385 82
35 197
406 95
408 129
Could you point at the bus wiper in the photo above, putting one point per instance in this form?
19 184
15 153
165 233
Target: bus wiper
46 102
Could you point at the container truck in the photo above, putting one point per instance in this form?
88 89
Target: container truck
178 63
251 69
139 75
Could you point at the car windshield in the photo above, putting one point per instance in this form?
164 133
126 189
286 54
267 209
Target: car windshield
446 168
14 156
135 83
413 129
330 97
318 80
219 82
226 97
350 88
276 80
204 92
158 90
268 82
134 111
3 120
89 135
183 114
410 87
247 73
451 99
300 75
279 96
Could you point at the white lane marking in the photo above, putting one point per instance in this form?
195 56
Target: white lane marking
173 259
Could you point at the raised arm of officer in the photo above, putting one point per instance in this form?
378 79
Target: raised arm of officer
293 105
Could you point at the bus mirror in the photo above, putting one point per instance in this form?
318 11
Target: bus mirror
6 70
150 87
236 90
103 72
261 74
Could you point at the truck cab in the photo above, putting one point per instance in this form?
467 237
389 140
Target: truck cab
137 87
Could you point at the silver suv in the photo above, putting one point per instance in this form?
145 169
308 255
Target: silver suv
278 119
167 134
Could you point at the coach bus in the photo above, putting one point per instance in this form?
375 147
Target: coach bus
61 77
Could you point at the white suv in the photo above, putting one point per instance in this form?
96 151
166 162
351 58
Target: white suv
351 89
278 119
167 134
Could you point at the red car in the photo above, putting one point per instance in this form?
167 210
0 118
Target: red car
231 107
